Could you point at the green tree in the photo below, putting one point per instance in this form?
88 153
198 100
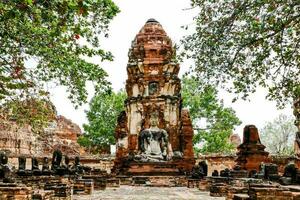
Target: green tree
278 136
212 121
102 119
242 44
46 41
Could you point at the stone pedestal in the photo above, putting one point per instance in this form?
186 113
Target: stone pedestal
43 195
154 134
39 182
239 174
240 197
193 183
113 182
154 168
218 190
125 180
16 193
100 182
251 152
83 186
270 193
237 193
62 189
160 181
204 184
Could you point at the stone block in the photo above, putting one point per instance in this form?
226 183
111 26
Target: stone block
161 181
180 181
113 182
83 186
100 182
204 184
140 180
193 183
16 193
218 190
125 180
220 179
262 193
232 191
240 197
43 195
62 191
296 195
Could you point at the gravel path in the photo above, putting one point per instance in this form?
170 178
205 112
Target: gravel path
147 193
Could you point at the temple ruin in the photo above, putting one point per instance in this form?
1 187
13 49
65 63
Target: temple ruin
154 134
154 148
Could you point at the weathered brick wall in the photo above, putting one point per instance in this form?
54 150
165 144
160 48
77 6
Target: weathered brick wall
217 162
20 140
17 140
221 162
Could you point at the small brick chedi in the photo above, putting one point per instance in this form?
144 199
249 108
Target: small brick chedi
154 134
251 153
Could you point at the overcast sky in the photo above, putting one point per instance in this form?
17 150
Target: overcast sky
172 14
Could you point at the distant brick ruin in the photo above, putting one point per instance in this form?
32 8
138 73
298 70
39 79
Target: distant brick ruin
61 133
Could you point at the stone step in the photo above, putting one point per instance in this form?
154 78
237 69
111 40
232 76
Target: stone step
159 181
153 169
241 197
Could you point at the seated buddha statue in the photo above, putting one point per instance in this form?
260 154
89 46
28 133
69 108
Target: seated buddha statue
153 142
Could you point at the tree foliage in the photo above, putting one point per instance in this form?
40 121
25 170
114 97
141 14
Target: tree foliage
212 121
56 35
32 111
278 136
242 44
102 119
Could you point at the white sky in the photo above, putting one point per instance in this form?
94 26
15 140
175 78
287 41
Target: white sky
171 14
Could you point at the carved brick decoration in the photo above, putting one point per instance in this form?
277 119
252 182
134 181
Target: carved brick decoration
251 152
153 88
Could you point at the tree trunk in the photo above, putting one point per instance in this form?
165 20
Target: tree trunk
297 123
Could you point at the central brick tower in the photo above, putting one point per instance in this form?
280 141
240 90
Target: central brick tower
153 89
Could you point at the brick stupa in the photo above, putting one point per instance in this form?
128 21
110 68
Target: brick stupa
251 153
154 134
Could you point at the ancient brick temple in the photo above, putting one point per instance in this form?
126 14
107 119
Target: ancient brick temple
154 134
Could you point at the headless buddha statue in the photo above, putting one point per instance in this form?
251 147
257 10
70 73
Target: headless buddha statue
153 142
